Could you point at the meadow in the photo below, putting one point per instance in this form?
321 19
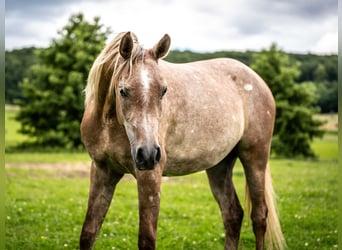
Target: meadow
45 208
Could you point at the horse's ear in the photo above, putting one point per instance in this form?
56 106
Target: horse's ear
126 45
161 49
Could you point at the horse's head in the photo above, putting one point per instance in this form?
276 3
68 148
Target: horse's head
139 93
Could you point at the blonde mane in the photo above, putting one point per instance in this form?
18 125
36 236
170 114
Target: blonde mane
110 61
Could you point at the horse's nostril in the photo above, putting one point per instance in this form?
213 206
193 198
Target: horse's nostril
157 155
140 155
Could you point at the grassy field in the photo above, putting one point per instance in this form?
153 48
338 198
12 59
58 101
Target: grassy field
45 208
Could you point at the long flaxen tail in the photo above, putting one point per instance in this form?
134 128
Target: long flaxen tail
274 238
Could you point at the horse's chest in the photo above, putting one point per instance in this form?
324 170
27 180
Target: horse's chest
109 145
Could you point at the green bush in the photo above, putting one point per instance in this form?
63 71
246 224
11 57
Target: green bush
54 93
295 126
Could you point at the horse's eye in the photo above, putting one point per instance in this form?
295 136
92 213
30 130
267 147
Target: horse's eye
124 92
163 91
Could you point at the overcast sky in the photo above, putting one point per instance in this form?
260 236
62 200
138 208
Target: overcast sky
200 25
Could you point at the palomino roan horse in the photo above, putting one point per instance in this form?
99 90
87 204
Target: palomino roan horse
150 118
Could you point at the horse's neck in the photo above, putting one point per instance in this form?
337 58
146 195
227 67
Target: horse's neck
102 93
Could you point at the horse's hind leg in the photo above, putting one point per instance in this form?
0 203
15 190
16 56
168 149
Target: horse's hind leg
254 160
102 185
221 184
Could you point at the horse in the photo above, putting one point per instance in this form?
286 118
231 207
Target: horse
150 118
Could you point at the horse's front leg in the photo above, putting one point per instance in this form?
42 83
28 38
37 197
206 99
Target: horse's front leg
149 200
102 185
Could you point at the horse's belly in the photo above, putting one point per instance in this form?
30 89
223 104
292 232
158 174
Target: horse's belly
202 145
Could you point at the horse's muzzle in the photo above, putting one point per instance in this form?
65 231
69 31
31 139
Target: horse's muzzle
146 158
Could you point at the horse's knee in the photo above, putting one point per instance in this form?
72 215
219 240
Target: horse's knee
233 220
239 215
236 209
259 217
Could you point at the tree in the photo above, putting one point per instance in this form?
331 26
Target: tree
320 73
54 92
328 100
17 63
295 126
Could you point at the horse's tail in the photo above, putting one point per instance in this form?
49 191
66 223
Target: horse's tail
274 238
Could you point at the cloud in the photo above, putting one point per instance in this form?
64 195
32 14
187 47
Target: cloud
294 25
36 9
327 42
202 25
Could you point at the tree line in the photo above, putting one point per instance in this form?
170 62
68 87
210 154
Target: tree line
47 84
319 69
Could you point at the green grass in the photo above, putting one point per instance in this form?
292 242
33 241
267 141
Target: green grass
25 157
45 208
326 148
12 137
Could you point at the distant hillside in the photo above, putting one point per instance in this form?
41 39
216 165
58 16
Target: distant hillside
310 63
321 69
